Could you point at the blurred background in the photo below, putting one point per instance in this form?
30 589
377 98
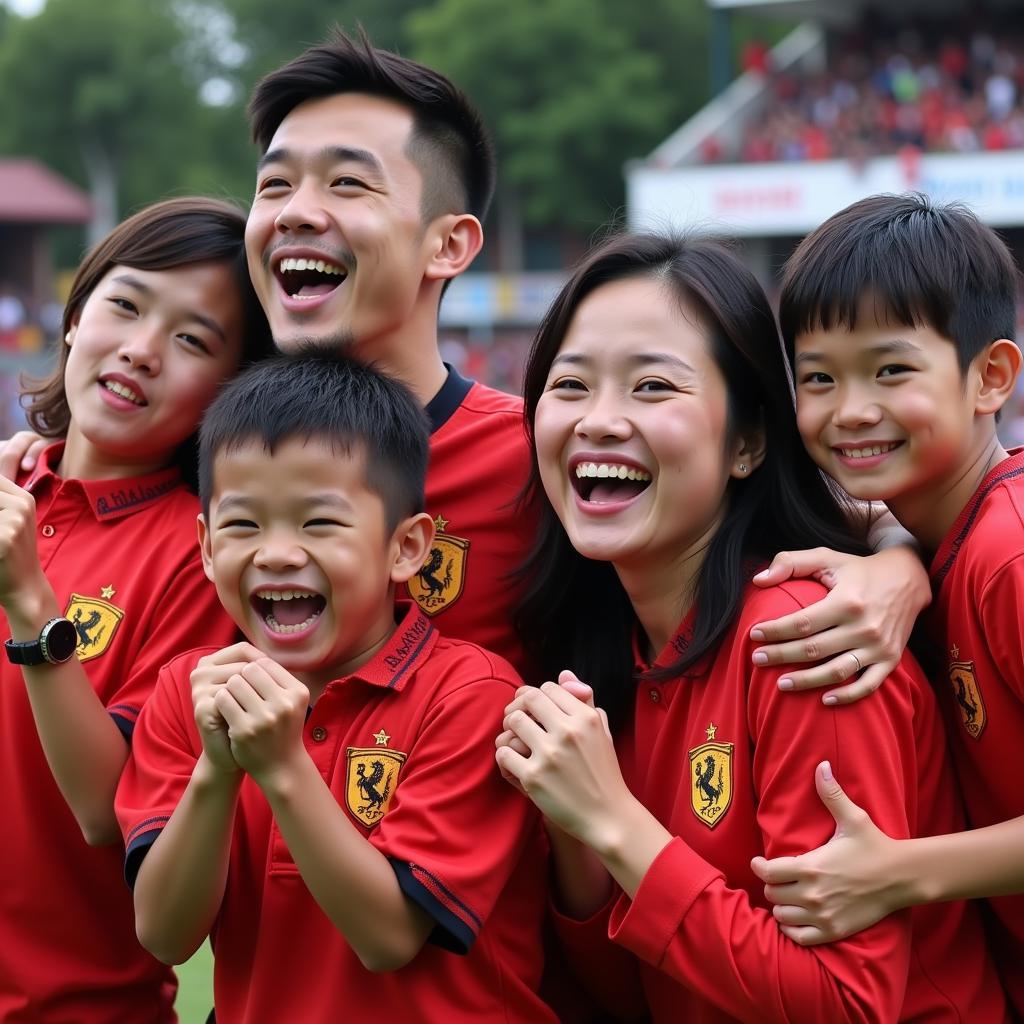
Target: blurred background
750 119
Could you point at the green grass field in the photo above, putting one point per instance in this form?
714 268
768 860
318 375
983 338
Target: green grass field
195 987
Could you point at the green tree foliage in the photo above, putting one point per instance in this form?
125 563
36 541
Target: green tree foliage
146 97
571 90
236 42
273 32
95 90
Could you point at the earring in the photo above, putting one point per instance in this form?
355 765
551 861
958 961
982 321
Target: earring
743 468
67 338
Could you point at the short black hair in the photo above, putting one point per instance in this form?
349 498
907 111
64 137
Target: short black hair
923 263
449 142
353 407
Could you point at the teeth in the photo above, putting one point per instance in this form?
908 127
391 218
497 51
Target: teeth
284 595
296 628
604 470
320 265
868 450
119 389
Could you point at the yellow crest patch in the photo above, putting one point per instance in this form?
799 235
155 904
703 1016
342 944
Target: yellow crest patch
96 622
372 778
439 580
969 700
711 781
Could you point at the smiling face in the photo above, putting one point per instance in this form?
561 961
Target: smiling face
885 410
631 430
148 352
301 556
336 242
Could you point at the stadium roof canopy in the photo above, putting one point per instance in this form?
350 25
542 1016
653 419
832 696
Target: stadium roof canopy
841 12
33 194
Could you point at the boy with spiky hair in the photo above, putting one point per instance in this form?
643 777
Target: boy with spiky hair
323 799
899 316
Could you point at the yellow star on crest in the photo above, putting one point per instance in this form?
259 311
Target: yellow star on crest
382 738
107 592
711 730
440 522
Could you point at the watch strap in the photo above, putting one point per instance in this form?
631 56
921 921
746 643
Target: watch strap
40 651
24 652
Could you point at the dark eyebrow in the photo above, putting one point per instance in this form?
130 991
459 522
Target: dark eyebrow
330 500
640 359
649 358
234 502
243 502
894 346
200 318
329 154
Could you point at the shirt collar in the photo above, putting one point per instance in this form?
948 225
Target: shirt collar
1010 468
670 653
108 499
406 650
444 404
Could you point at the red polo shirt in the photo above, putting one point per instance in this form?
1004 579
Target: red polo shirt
406 744
726 762
479 462
122 558
975 625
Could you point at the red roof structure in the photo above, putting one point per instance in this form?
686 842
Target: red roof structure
31 193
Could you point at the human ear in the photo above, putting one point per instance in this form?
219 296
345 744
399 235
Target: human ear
997 367
69 337
410 545
454 241
748 452
204 546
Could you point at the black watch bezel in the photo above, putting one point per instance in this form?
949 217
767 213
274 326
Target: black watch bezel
56 644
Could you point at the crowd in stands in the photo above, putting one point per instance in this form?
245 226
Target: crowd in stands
923 89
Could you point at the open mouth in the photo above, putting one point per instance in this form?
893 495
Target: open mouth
309 278
288 611
123 391
868 451
602 483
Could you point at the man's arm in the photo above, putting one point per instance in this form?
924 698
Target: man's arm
355 885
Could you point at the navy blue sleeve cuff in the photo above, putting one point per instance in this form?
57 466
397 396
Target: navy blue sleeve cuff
139 846
127 727
450 931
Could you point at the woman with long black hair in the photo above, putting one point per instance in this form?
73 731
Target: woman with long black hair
665 443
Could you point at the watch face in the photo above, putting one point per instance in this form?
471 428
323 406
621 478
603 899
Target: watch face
59 640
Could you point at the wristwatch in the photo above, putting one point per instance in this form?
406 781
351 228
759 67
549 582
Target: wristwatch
57 642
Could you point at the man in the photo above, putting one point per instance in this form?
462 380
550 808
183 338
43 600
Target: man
374 177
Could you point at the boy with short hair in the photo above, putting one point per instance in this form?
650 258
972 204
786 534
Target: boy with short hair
323 798
898 315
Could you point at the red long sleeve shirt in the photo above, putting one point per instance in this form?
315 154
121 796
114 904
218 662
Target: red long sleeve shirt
726 762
